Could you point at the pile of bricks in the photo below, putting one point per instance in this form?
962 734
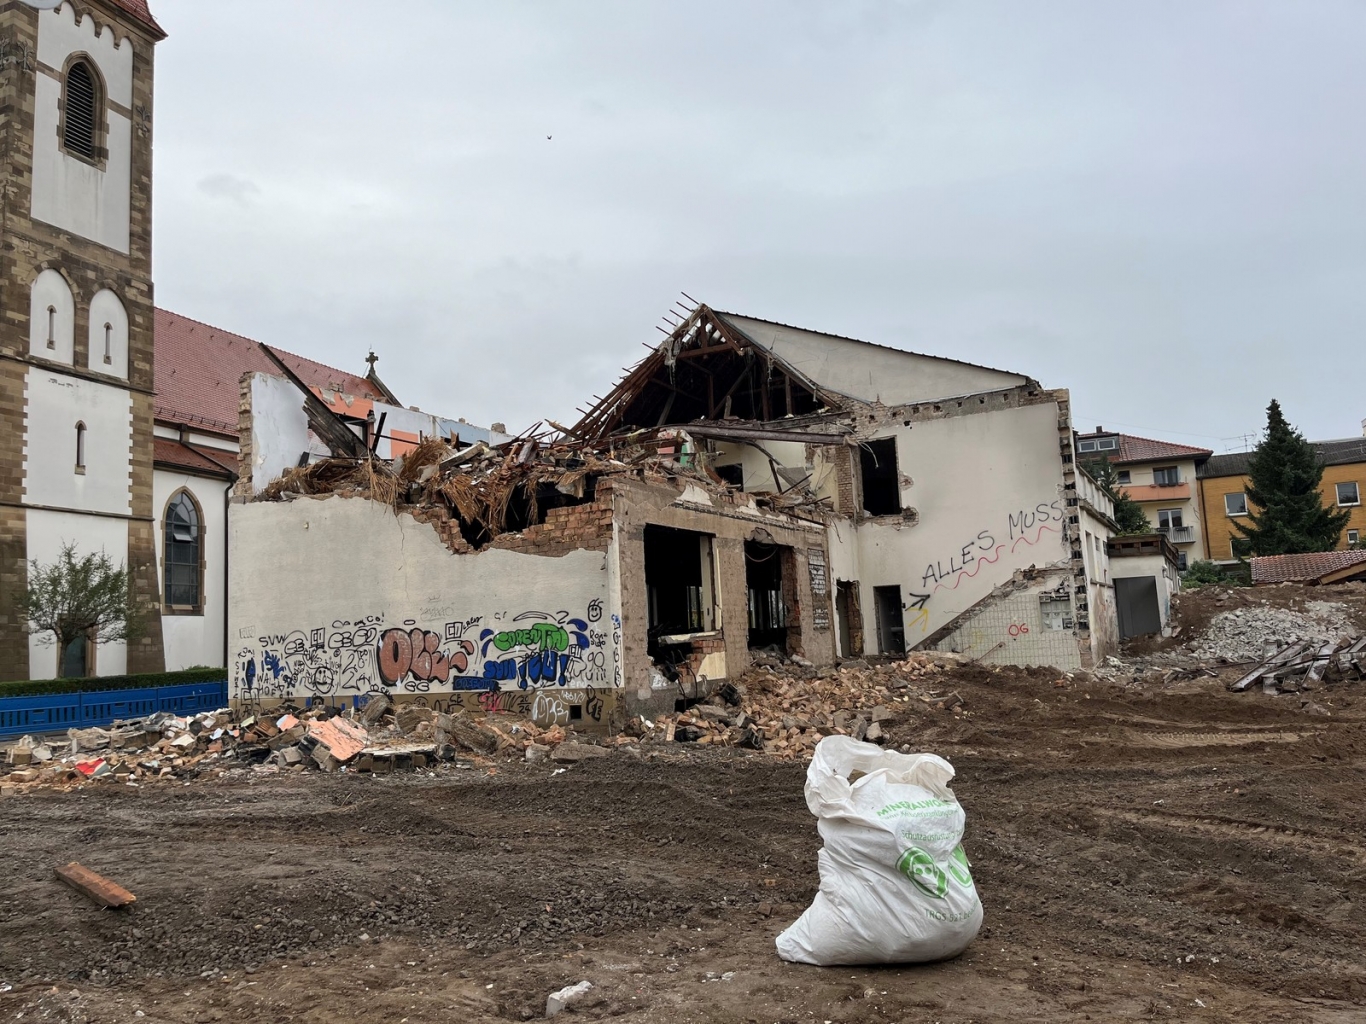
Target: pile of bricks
786 710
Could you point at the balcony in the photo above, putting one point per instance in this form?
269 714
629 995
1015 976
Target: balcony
1178 534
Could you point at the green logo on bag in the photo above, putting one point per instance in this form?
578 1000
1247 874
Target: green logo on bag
958 867
920 868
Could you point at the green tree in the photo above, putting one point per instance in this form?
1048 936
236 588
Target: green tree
1129 515
1286 514
80 597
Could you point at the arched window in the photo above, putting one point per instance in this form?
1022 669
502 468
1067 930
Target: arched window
183 583
51 326
81 121
108 343
80 447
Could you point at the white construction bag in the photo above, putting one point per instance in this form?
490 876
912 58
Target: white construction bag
895 884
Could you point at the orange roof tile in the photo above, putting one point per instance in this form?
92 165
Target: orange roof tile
1145 449
1303 568
198 369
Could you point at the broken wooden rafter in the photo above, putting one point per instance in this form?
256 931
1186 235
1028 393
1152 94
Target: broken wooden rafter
329 427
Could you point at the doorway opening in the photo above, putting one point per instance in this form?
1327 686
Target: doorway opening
678 583
891 628
768 610
850 616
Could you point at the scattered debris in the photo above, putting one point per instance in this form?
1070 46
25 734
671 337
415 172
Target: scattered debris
1305 665
1246 634
97 887
562 999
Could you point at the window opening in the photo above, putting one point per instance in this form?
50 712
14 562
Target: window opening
79 126
734 474
51 326
677 583
184 539
1167 476
1353 537
1348 494
881 484
767 609
891 628
1123 476
1169 519
80 446
108 343
1235 504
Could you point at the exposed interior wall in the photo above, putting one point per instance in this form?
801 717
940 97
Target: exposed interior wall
46 532
333 597
195 639
1023 623
982 495
91 199
872 373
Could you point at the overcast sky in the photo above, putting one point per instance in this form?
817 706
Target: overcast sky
1156 205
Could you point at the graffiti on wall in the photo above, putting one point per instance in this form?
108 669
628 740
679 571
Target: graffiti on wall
1024 528
488 657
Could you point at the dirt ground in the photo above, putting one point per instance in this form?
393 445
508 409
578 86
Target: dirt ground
1183 854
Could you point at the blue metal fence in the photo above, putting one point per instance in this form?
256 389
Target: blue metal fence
61 711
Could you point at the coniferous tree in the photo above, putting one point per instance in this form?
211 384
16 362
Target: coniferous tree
1129 515
1286 514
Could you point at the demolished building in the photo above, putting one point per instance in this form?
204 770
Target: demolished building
748 489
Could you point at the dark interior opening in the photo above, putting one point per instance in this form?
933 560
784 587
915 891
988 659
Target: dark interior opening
734 474
881 482
891 629
850 618
575 712
767 608
673 582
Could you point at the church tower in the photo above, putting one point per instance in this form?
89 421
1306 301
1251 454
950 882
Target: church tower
76 389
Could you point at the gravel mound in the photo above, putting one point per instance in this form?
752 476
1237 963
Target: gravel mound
1248 634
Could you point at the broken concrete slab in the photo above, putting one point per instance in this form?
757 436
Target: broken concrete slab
343 738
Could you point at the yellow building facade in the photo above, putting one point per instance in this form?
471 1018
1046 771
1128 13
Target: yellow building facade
1223 486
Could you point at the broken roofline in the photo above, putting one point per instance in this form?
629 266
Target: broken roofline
707 332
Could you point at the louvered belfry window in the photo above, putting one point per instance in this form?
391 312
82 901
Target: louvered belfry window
79 128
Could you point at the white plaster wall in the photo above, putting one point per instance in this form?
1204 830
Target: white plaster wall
192 640
50 290
874 373
317 584
988 491
56 403
758 474
69 193
279 428
105 308
1012 630
46 533
222 444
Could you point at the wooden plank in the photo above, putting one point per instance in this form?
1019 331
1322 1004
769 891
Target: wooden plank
97 887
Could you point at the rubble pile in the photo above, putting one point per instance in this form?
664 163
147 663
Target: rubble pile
1307 665
1252 633
786 712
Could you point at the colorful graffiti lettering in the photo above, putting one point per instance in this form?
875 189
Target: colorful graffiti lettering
418 651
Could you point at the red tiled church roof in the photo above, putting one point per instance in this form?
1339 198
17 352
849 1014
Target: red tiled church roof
198 369
171 453
1303 568
139 10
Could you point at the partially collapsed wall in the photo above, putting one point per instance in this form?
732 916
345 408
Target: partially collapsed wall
334 597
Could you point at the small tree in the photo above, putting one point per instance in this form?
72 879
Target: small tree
1129 515
1286 514
76 598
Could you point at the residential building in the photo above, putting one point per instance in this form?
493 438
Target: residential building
1223 493
950 489
1147 575
76 362
1161 477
